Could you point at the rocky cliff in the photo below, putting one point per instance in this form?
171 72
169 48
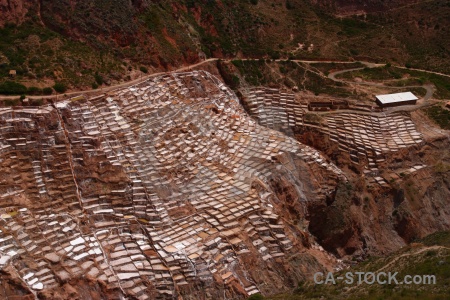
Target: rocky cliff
14 11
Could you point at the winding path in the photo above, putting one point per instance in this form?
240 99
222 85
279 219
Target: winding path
112 87
332 76
423 102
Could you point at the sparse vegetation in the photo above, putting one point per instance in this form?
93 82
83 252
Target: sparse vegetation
439 115
289 5
12 88
92 43
312 118
251 71
34 91
98 79
411 260
325 68
257 296
60 87
11 102
47 91
280 73
38 52
371 74
438 238
402 77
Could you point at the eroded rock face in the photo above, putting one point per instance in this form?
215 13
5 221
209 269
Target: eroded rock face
13 11
398 188
162 190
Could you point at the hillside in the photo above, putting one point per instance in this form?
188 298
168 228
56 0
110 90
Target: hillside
428 256
220 149
95 43
176 188
163 190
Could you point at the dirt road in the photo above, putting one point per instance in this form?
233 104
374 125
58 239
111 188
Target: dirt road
143 78
112 87
424 102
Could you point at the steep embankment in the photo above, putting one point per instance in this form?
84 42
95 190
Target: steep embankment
101 42
420 260
398 172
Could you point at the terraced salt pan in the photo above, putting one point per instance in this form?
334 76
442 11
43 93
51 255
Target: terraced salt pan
192 200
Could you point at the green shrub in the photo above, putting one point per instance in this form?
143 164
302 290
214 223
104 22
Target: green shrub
60 87
33 90
47 91
143 70
354 52
274 55
94 85
12 88
236 81
439 115
289 5
257 296
238 63
98 79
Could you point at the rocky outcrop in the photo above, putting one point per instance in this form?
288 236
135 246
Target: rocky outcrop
14 11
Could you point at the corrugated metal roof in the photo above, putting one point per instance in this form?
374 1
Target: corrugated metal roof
397 97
